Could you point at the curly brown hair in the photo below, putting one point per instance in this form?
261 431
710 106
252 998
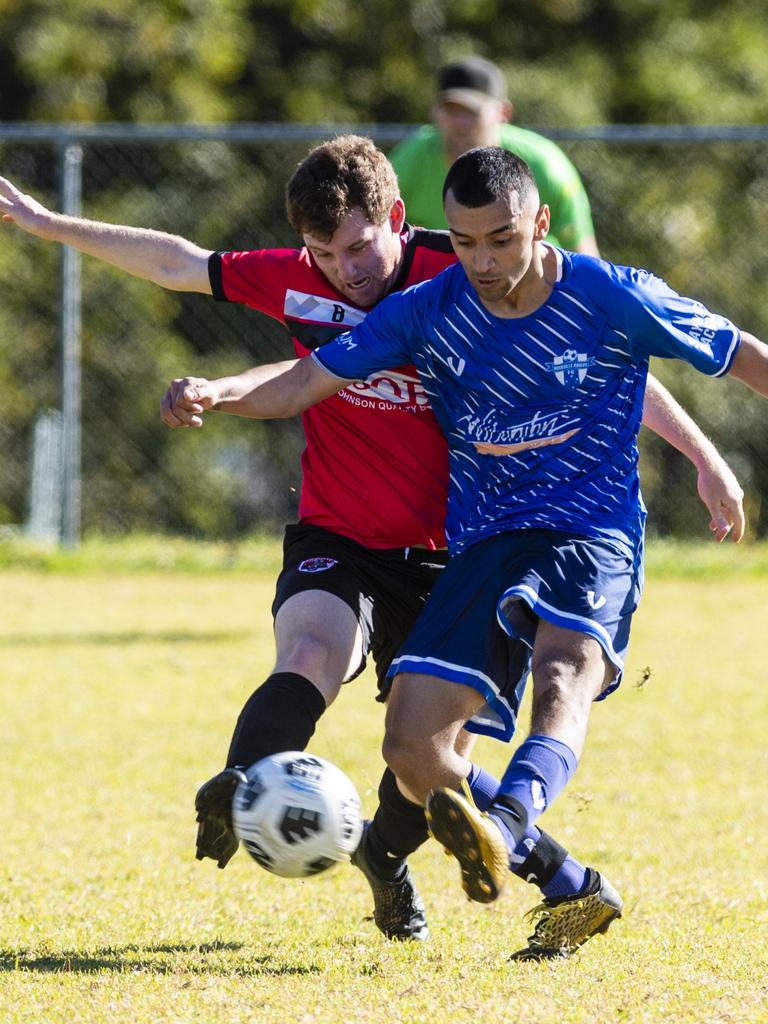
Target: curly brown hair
339 176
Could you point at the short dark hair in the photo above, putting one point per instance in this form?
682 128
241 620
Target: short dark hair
335 178
482 175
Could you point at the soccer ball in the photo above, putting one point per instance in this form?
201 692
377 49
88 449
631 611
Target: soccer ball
297 814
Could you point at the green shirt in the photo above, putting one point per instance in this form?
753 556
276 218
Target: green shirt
421 168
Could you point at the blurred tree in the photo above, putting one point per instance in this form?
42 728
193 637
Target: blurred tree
568 61
122 60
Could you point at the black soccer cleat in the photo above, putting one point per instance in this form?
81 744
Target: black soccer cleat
398 910
564 924
213 803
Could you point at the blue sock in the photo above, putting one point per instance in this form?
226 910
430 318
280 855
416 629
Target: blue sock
537 773
483 787
570 879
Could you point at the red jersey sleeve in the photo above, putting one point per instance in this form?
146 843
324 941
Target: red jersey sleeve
258 278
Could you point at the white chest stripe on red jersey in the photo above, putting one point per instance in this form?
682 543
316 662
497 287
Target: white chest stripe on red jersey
319 309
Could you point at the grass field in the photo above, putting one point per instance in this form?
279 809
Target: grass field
120 684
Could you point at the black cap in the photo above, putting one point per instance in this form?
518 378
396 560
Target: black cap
470 82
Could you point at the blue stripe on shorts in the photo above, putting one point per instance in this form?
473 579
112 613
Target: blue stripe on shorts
544 610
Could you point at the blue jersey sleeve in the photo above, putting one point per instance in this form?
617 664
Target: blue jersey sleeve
660 322
379 342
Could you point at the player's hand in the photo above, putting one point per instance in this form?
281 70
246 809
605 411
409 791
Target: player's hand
185 401
722 494
22 210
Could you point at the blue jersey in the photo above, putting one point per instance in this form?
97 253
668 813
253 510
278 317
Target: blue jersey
541 412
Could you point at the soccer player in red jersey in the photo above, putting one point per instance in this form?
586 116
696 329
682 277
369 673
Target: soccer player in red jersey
369 543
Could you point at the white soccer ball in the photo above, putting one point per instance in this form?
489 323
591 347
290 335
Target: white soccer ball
297 814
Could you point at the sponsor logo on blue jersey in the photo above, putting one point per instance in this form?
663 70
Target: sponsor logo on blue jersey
490 437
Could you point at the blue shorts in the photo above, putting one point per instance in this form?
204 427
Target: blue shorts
479 623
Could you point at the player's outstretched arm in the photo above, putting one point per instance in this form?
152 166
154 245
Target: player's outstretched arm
750 364
168 260
716 484
271 391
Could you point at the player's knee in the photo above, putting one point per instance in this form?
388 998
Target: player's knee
551 698
315 659
398 753
573 675
562 691
407 758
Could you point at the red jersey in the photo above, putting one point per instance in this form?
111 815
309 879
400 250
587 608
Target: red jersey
375 467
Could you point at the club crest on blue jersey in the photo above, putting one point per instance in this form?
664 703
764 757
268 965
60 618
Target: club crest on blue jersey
571 367
317 564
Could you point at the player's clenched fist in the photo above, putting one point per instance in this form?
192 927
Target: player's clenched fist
186 400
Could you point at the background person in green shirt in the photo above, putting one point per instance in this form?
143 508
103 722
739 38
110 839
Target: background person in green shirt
472 109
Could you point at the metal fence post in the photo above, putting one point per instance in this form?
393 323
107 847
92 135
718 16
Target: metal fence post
71 165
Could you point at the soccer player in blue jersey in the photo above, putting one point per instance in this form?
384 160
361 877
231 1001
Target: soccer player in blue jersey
535 361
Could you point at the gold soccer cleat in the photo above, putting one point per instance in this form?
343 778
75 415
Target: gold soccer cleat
564 924
473 839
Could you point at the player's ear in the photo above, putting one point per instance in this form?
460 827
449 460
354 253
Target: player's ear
541 224
506 110
397 216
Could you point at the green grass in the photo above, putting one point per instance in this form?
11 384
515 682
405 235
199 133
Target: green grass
140 553
119 692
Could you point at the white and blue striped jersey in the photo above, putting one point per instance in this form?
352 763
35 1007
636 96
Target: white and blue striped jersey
541 412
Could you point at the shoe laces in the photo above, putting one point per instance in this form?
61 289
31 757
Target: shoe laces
535 914
546 910
468 793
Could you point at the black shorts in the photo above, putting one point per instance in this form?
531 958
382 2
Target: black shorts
385 588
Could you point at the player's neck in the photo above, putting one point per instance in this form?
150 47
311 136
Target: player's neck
533 290
452 150
399 242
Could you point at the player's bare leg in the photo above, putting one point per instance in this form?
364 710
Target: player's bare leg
570 670
425 720
397 830
318 645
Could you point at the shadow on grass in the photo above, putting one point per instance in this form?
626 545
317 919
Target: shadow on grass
106 639
196 959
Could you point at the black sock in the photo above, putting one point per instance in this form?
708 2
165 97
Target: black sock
398 828
280 715
543 862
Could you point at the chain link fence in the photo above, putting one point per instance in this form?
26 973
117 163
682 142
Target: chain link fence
690 204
